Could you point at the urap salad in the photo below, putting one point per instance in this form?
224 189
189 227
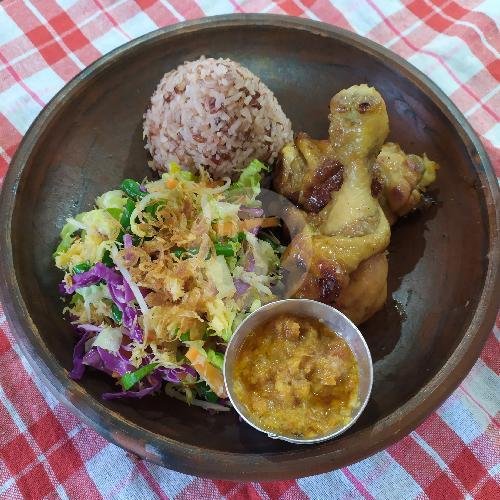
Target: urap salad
158 276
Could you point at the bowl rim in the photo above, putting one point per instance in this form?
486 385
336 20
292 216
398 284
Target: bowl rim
192 459
332 311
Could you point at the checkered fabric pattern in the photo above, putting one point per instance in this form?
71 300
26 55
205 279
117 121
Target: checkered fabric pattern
47 452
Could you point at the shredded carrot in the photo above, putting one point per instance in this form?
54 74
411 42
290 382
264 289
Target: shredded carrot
171 183
208 372
249 224
226 228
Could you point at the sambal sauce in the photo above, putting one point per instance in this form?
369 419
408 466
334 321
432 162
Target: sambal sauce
296 377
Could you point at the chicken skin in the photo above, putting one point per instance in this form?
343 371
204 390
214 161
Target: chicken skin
400 179
350 188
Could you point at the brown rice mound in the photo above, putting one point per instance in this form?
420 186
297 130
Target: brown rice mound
214 113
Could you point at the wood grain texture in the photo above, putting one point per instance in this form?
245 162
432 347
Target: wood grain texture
443 263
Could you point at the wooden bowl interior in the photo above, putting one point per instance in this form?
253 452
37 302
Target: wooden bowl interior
437 258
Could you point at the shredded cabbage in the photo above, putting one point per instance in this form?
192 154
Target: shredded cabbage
160 274
219 273
249 180
99 223
266 260
109 338
213 209
95 304
111 199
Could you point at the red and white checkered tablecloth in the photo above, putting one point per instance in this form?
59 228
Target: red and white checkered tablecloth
45 451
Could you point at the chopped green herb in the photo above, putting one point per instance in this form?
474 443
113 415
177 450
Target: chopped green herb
151 209
133 189
206 393
81 268
240 237
131 378
107 260
185 336
116 314
126 213
182 253
225 249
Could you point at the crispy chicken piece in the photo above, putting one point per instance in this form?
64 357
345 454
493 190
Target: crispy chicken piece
367 289
349 273
400 179
310 174
349 225
339 255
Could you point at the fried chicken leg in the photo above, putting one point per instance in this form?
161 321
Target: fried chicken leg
348 185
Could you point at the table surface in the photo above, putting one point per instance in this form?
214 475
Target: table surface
46 451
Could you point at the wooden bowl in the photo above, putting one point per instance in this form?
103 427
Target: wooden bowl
443 262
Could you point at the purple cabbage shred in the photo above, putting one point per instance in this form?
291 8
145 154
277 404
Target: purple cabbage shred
189 369
241 286
250 212
250 262
92 277
132 394
88 327
174 374
130 321
78 354
127 240
107 362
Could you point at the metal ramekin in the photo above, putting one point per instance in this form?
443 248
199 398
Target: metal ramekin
337 321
